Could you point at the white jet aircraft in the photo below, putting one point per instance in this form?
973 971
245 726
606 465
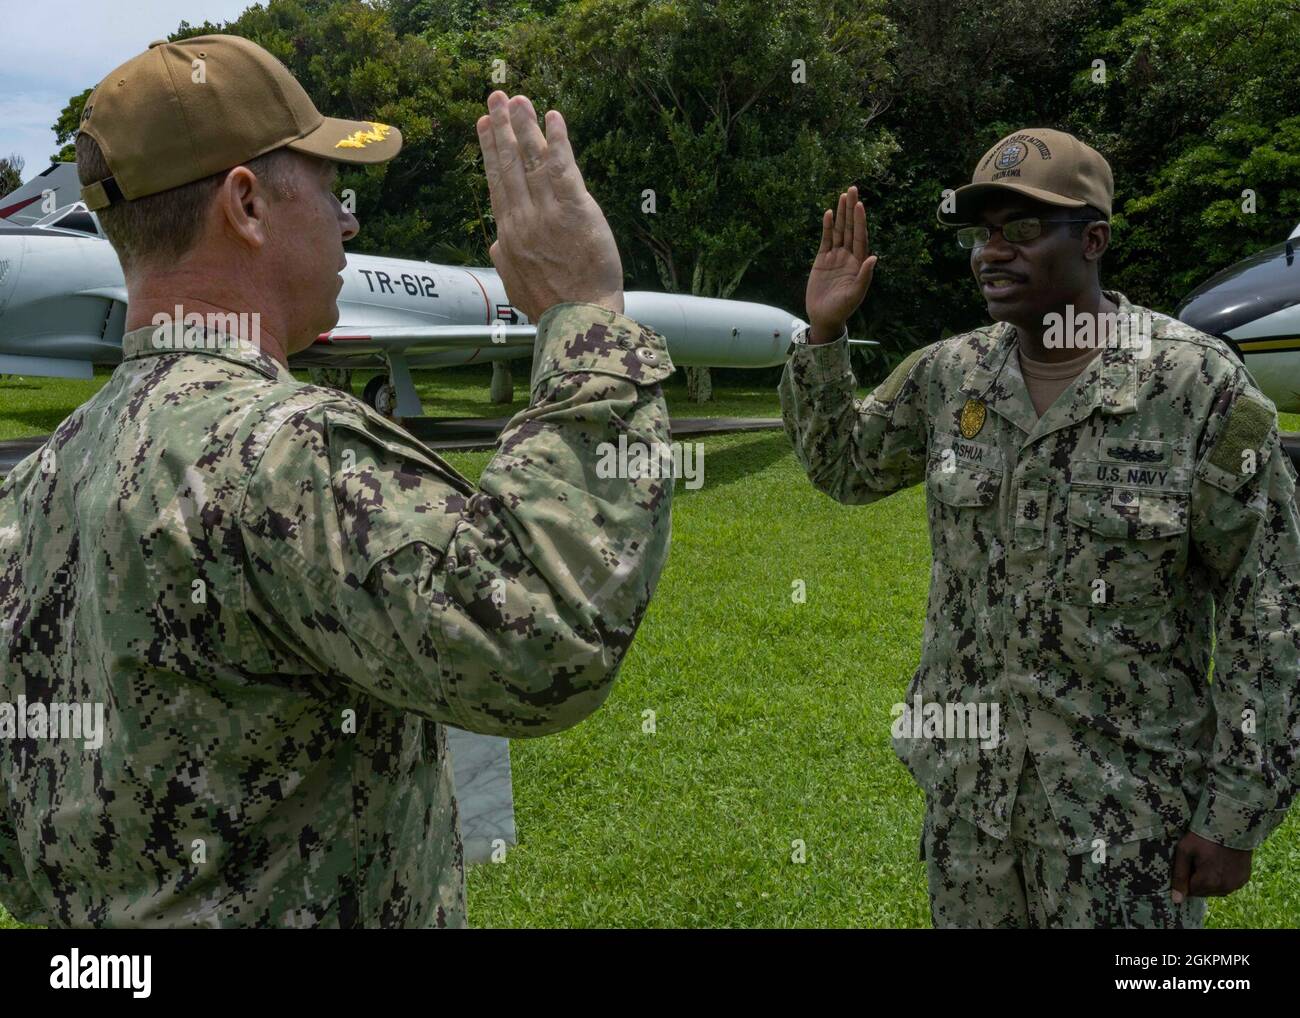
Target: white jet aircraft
63 304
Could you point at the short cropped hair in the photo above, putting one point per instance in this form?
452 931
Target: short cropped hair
163 227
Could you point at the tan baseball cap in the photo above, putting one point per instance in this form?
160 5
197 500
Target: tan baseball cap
182 111
1046 165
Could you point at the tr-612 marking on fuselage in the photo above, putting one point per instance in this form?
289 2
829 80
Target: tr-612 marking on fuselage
380 281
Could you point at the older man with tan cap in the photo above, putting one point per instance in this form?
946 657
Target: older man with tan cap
275 598
1109 504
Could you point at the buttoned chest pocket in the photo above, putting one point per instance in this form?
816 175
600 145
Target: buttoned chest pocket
1125 546
962 508
961 488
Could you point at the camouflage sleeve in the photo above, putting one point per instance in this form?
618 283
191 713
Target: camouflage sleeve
1246 531
16 892
504 609
855 452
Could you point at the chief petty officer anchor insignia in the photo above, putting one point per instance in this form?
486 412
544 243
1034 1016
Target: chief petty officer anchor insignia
972 418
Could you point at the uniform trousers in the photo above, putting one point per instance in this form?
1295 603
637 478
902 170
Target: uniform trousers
1030 880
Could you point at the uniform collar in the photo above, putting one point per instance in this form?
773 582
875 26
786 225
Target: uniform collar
1107 384
175 338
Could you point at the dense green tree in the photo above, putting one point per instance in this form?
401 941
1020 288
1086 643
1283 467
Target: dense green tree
740 117
713 133
703 103
65 128
1200 104
11 174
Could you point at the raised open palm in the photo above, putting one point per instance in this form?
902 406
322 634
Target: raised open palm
842 271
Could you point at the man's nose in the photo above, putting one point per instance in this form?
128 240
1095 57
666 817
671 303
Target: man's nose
350 225
997 249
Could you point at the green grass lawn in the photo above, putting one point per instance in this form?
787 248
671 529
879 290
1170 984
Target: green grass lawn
772 718
35 406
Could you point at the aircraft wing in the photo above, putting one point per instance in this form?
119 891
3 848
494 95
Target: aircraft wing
420 338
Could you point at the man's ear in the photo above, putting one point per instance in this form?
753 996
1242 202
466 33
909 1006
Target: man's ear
243 206
1096 239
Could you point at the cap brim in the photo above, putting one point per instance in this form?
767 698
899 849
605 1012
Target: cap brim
970 197
351 141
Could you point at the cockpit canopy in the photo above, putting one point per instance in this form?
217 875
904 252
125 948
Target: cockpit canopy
74 218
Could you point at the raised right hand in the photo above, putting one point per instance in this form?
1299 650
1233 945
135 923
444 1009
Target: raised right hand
553 243
842 271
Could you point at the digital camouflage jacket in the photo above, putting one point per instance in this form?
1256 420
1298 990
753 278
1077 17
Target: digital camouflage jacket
280 598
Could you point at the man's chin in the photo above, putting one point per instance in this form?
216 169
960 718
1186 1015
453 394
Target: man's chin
1015 310
327 325
302 342
1001 310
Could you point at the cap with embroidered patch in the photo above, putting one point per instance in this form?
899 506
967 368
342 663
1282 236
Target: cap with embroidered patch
184 110
1049 166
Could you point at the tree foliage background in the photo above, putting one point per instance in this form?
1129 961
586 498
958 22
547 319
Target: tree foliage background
11 173
740 120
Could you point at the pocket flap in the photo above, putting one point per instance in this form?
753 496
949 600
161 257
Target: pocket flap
401 443
1129 513
391 491
960 487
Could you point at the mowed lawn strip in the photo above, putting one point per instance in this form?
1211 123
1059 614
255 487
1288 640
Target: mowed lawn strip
35 406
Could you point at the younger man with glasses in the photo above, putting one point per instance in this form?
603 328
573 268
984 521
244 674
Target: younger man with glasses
1108 504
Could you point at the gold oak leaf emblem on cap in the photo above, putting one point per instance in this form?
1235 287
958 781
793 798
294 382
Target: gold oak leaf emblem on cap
972 418
360 139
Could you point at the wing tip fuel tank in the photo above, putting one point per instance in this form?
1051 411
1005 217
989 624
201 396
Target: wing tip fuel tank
713 332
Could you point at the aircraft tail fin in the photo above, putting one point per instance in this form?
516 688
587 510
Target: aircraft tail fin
54 187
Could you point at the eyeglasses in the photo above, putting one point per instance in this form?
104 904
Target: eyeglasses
1017 231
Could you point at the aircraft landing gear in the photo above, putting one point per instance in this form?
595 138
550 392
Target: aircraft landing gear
381 394
332 378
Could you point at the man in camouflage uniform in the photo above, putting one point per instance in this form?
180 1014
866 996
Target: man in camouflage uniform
279 597
1093 544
